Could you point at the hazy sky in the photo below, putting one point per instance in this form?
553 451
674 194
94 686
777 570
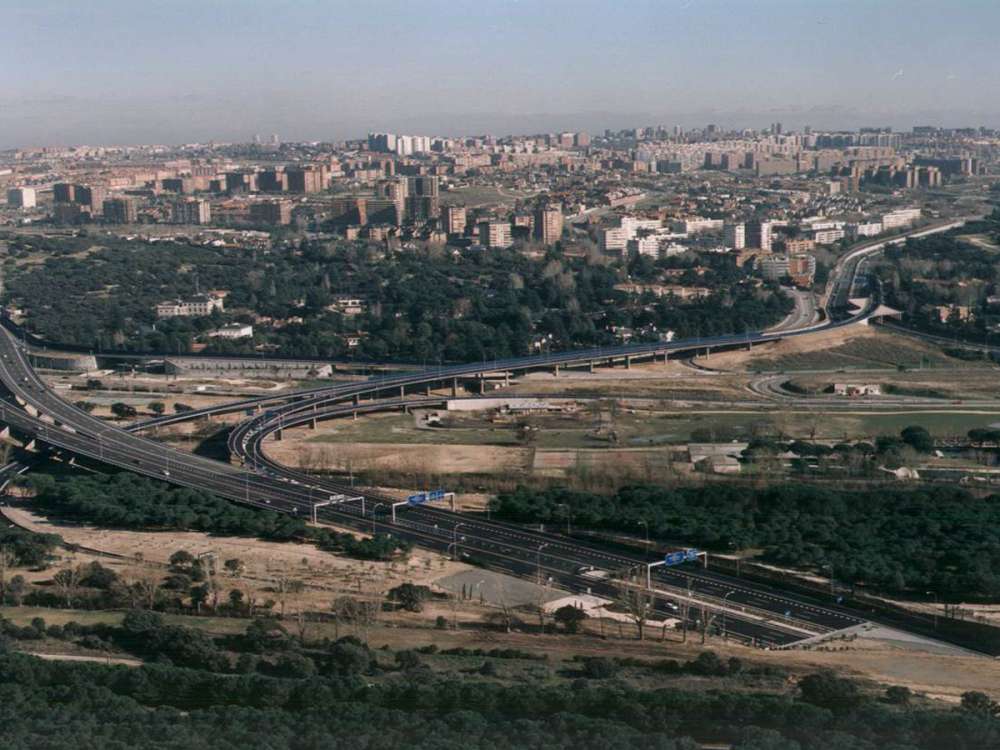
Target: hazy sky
171 71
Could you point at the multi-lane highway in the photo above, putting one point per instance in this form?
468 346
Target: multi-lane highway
753 612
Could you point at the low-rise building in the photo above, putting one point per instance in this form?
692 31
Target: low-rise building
197 306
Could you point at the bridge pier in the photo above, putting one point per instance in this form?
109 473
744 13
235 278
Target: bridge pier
357 399
427 389
591 365
454 387
277 435
555 371
402 391
506 379
628 363
312 424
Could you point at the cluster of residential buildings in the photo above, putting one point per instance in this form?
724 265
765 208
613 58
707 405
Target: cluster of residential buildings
397 188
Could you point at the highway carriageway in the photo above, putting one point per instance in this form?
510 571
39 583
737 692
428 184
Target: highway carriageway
764 603
500 546
66 427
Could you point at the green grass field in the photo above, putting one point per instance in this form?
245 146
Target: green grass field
879 352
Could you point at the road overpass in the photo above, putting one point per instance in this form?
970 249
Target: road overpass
753 612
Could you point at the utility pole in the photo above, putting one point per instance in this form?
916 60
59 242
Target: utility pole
538 562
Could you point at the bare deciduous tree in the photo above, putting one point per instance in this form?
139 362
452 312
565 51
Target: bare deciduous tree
8 559
637 603
66 582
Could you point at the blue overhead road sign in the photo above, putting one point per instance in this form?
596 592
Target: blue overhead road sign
681 556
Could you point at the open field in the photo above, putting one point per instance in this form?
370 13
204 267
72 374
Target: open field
671 380
848 348
980 240
323 573
476 196
977 383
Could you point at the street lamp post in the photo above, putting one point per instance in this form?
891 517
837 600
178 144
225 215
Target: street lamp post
833 590
645 525
375 508
538 562
566 508
936 603
728 594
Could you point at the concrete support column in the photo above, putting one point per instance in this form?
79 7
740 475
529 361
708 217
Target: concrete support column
628 363
402 392
555 371
277 435
591 363
427 390
454 387
312 424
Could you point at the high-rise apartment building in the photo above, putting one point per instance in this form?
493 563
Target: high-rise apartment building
64 192
735 235
759 235
274 213
241 182
304 179
119 211
453 219
422 201
496 233
272 181
191 211
548 224
22 197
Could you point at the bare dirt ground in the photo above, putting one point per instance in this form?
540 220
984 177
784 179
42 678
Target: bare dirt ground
420 458
646 380
323 573
977 383
851 347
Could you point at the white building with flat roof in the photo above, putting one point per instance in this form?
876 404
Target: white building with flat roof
21 197
198 306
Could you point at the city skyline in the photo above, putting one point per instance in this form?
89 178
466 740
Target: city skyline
183 73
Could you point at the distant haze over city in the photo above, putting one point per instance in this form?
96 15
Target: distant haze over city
114 72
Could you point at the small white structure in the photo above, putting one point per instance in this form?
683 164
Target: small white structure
857 389
233 331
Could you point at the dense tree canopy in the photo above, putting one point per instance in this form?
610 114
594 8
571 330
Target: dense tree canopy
129 501
912 539
421 306
70 705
